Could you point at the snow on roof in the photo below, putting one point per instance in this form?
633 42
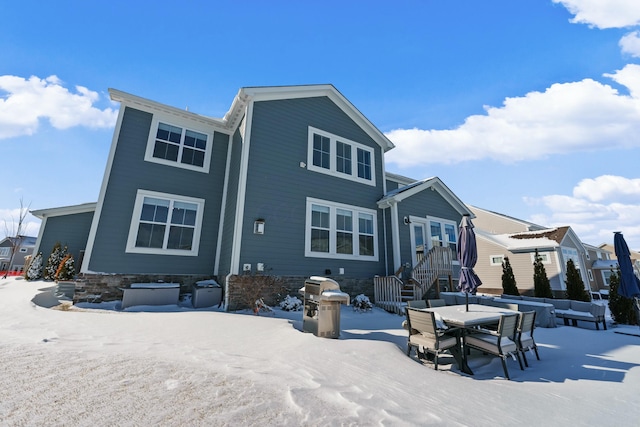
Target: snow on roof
521 241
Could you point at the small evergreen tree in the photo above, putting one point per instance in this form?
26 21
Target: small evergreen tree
621 307
509 286
575 285
541 285
66 270
34 271
56 257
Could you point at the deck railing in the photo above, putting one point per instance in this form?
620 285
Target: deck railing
391 293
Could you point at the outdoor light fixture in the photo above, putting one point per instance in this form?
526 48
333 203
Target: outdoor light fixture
407 221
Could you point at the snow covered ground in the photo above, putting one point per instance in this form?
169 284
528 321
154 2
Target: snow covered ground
95 366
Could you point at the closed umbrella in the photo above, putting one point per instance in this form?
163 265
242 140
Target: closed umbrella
468 256
629 284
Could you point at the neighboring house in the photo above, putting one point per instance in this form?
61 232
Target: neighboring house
13 251
518 240
606 272
602 264
290 182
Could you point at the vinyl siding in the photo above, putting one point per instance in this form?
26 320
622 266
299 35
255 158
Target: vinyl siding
70 230
129 173
278 187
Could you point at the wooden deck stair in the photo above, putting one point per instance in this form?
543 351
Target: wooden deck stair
392 294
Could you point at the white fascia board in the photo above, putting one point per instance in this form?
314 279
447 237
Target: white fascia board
149 105
309 91
64 210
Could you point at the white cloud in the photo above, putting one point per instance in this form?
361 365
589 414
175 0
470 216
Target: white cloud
608 188
9 223
604 14
597 208
630 44
25 102
568 117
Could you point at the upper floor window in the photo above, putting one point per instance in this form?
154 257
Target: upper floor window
544 257
4 252
177 145
340 157
340 231
496 259
165 224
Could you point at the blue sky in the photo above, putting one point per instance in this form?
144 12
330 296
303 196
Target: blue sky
530 108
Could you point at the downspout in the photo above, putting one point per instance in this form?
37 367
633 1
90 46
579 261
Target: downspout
384 232
395 236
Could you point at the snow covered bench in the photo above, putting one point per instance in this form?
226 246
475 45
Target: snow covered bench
579 310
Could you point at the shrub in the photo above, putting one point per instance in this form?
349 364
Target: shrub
291 304
621 308
575 285
56 257
249 288
541 285
66 270
361 303
34 271
509 286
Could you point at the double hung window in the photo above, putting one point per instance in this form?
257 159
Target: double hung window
165 224
443 233
340 231
337 156
177 145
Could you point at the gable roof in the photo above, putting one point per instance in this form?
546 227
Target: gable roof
543 240
233 117
433 183
527 224
272 93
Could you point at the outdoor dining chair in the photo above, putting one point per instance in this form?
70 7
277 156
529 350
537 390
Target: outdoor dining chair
436 303
419 303
424 333
525 339
501 343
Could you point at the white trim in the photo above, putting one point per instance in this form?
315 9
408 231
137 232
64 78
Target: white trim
236 245
185 125
84 268
333 206
333 157
135 221
223 206
395 237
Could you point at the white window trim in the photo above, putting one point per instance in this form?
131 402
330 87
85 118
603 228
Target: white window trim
491 262
333 171
546 258
185 125
444 235
135 221
332 231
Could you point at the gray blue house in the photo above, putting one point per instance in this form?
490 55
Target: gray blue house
290 182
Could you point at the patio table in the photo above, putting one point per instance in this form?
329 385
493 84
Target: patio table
478 315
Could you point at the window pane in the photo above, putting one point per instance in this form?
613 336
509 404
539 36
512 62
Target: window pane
365 225
319 240
155 210
169 133
195 139
320 216
436 233
366 245
343 157
321 151
162 150
344 243
344 221
150 235
364 164
180 238
184 213
192 157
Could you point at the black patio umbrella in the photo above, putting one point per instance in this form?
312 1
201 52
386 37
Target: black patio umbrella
468 256
629 284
